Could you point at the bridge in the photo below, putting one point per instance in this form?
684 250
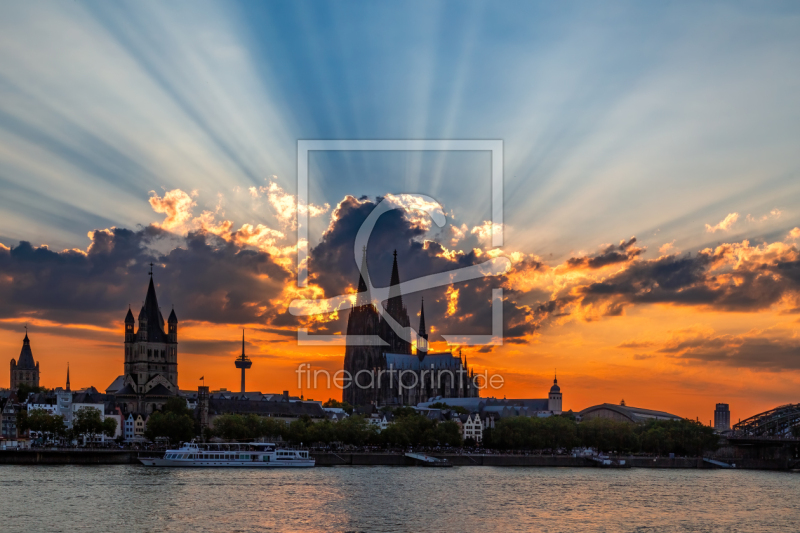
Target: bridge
778 422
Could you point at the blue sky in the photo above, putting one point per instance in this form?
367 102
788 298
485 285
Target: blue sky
617 118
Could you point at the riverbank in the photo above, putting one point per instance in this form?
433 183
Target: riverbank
119 457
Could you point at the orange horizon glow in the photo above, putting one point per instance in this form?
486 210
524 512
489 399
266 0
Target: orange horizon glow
592 368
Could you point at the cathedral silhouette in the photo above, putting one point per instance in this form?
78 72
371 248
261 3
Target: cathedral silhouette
390 374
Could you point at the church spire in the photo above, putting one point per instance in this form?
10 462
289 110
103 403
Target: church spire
394 284
68 377
422 337
364 297
422 320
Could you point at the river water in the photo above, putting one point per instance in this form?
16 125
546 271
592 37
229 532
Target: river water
389 499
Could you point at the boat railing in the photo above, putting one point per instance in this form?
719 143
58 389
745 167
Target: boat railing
239 446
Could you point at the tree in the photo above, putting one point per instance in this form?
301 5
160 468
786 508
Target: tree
355 430
24 390
109 427
417 430
400 412
175 421
177 405
175 427
88 421
337 404
448 433
608 435
42 422
248 427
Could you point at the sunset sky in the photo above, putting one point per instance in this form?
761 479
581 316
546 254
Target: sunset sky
651 170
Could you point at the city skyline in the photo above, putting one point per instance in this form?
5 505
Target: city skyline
651 188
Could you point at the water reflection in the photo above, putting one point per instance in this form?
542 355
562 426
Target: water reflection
386 499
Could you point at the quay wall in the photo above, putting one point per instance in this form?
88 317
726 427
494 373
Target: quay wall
123 457
68 457
386 459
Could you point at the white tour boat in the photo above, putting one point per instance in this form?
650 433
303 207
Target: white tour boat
248 455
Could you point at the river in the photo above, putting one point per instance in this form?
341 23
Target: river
395 499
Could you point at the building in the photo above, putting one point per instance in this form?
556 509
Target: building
391 374
26 370
554 398
501 408
625 413
379 420
134 425
9 417
722 417
472 427
281 407
151 358
91 398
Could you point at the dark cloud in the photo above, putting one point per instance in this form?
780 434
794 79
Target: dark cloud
206 278
687 280
741 352
635 344
333 267
623 252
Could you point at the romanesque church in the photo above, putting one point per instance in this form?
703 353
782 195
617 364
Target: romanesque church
151 358
26 370
375 368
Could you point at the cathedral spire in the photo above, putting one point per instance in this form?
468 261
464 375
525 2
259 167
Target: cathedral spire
422 337
394 284
364 297
422 320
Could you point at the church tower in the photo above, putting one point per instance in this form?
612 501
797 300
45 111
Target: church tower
151 357
358 355
396 309
25 371
554 399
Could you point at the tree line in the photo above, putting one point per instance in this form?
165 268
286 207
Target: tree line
408 429
682 437
85 421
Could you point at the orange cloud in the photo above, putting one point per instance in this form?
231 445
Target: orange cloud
177 205
725 224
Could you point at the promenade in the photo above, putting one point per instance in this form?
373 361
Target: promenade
111 457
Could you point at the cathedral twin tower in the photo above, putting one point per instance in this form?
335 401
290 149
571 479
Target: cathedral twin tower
374 369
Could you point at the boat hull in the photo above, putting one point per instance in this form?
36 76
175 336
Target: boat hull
188 463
